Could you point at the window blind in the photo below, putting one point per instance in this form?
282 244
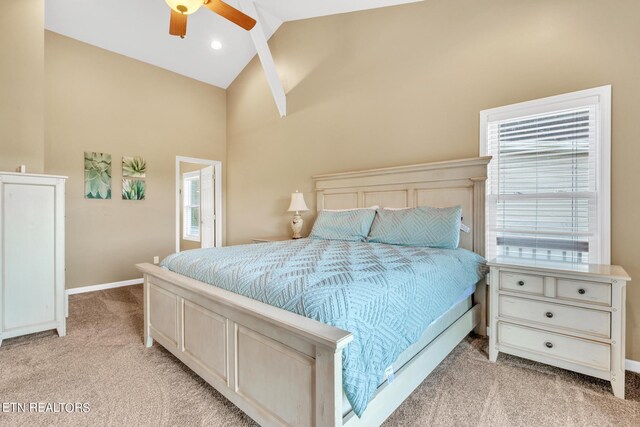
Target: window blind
542 200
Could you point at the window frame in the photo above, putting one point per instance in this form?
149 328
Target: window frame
187 207
600 96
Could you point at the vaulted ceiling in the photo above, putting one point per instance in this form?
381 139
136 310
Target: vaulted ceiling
140 29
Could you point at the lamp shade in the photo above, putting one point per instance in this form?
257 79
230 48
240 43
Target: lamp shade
297 203
186 7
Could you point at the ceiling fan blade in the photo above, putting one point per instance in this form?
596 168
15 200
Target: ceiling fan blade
178 24
231 13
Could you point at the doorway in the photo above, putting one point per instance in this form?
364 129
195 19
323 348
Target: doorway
198 203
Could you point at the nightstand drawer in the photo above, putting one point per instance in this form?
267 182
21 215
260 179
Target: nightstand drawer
556 346
590 292
593 322
519 282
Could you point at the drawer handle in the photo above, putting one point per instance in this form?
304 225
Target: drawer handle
549 344
521 283
582 291
549 314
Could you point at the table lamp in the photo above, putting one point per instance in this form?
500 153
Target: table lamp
297 205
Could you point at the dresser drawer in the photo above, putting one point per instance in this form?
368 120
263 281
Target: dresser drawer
555 346
590 292
519 282
593 322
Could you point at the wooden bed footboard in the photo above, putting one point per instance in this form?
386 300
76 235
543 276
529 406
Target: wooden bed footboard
278 367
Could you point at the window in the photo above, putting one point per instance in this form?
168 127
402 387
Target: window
548 192
191 206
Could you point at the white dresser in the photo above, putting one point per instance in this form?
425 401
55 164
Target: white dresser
31 254
565 315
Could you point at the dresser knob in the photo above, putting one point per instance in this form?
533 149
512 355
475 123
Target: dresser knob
549 314
521 283
582 291
549 344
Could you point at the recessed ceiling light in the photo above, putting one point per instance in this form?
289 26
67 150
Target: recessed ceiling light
216 45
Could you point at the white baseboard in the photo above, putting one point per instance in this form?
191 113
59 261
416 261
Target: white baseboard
104 286
632 365
629 365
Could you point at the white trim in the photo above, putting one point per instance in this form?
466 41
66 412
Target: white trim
257 34
191 175
632 365
103 286
217 170
600 96
604 168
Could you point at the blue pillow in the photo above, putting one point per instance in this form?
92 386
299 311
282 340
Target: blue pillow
351 225
421 226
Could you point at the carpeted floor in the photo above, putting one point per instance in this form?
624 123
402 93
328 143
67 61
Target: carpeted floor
102 362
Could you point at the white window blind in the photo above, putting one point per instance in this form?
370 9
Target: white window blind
547 193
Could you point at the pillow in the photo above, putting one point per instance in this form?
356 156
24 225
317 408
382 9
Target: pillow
350 225
422 226
463 228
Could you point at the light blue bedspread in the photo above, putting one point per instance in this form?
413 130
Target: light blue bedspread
385 295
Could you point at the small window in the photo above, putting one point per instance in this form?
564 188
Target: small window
548 190
191 206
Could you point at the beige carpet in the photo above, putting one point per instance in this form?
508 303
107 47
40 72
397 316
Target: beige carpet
102 362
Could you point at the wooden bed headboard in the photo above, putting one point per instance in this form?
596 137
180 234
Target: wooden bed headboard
441 184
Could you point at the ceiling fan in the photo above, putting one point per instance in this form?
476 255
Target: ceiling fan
180 9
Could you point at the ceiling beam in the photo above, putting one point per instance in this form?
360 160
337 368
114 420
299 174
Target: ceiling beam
266 59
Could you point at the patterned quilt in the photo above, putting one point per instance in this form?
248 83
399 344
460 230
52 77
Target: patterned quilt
384 295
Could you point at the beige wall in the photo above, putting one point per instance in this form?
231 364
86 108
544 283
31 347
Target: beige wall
101 101
405 84
22 85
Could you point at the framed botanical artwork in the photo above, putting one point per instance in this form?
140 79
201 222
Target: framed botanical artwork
97 175
133 189
134 167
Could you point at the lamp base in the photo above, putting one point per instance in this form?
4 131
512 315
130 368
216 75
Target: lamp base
296 226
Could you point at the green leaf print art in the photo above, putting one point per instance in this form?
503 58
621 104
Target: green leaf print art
134 167
133 189
97 175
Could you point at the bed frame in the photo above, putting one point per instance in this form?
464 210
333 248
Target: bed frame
284 369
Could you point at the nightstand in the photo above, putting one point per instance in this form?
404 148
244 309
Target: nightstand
567 315
270 239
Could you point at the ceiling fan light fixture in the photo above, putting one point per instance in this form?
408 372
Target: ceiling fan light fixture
186 7
181 9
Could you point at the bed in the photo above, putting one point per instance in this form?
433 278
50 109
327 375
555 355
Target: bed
282 368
